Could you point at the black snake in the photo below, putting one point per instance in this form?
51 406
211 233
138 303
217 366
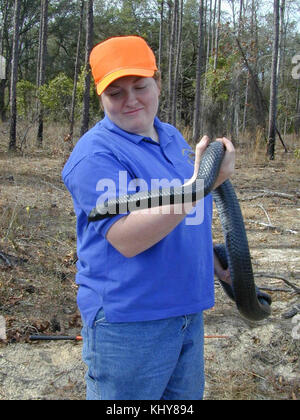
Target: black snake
250 301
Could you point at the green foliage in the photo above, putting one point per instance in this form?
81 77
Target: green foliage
297 153
26 99
56 97
218 81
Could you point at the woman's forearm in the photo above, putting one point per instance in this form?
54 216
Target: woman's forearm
142 229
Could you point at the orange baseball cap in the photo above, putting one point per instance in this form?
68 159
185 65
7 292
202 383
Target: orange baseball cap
121 56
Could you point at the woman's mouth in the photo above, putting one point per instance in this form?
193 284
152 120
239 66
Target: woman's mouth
133 111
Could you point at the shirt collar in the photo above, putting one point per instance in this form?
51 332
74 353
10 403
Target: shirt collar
164 136
111 126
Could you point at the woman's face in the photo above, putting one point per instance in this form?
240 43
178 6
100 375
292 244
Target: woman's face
131 102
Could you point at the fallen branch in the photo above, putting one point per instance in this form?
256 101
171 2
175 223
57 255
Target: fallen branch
280 194
276 276
51 185
274 289
265 211
272 227
269 193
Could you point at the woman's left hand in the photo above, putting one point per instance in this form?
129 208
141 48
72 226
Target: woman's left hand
222 274
227 166
228 163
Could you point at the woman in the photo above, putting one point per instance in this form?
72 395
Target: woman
144 277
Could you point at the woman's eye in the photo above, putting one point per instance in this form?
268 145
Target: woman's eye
114 93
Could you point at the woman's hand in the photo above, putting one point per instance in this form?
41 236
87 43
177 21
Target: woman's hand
222 274
227 166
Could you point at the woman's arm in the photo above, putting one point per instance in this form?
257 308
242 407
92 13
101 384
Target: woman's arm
142 229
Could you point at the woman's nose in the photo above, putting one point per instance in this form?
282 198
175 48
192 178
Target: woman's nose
131 98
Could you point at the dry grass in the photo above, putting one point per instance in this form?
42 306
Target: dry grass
38 293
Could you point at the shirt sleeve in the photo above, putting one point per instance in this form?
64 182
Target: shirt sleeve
97 178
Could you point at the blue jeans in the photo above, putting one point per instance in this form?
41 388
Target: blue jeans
148 360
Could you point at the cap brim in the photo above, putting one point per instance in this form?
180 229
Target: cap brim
122 73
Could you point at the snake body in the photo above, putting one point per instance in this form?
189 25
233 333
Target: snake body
250 301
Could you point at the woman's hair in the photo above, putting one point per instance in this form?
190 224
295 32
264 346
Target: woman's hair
157 78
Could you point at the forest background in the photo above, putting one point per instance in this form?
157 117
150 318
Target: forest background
229 67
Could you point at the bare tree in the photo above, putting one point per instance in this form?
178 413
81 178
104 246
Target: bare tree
217 35
76 72
274 85
14 78
172 55
87 80
177 62
297 110
161 27
42 66
3 80
281 52
197 102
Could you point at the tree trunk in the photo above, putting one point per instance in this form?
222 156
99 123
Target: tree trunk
297 117
197 102
76 73
217 36
273 87
14 78
213 29
87 81
177 63
246 103
3 80
42 67
171 87
209 39
161 26
281 51
38 65
237 85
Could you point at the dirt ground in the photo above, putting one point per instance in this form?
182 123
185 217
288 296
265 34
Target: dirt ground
244 360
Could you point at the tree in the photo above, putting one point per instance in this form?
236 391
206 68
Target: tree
3 81
88 47
161 32
197 102
177 62
217 35
14 78
76 72
274 85
172 54
42 65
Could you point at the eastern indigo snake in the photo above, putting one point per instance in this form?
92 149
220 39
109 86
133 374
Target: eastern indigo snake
250 301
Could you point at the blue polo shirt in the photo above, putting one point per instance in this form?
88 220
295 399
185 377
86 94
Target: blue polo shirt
175 276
